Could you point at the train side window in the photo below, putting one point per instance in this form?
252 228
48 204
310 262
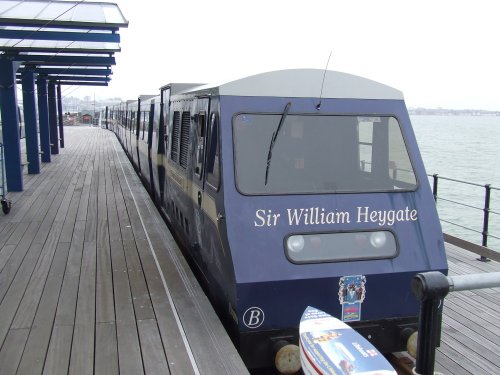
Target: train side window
150 124
200 154
145 117
213 156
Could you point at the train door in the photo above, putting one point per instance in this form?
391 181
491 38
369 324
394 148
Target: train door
200 144
137 132
152 181
208 195
162 144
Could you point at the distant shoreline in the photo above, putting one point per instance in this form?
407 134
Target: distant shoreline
451 112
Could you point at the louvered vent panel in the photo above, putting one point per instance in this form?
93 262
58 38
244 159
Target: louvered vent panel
174 152
183 157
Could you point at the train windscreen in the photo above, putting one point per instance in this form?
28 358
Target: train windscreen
311 154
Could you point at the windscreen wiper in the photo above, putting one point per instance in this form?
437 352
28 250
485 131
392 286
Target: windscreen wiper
273 139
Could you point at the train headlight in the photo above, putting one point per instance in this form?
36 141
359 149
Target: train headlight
340 246
295 243
378 239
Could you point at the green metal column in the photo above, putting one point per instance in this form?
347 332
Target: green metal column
10 125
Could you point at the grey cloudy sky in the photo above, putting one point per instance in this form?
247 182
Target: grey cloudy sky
439 53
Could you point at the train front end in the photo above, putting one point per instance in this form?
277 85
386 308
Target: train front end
330 207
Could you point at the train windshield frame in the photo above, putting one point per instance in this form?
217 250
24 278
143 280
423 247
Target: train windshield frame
320 154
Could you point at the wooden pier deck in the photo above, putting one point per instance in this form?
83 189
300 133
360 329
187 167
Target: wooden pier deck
91 282
470 335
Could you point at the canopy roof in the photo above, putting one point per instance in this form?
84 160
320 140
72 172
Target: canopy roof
72 42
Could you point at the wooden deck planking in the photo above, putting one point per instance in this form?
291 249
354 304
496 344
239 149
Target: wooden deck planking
37 344
470 342
190 301
14 347
80 292
129 349
106 351
153 355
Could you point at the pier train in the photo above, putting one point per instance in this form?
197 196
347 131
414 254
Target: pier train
290 189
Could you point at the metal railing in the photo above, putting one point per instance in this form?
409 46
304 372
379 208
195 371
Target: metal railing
486 209
431 288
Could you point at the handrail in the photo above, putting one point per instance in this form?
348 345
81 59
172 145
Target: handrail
487 211
431 288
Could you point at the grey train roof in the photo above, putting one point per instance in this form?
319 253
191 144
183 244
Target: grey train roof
303 83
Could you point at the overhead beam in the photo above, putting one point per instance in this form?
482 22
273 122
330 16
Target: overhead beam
72 71
76 83
59 35
82 83
61 24
63 60
59 49
74 78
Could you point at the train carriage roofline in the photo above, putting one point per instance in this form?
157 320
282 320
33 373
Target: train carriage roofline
301 83
147 97
177 88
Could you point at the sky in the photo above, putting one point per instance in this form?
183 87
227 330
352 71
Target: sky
438 53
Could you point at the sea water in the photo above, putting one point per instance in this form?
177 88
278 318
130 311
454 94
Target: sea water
464 148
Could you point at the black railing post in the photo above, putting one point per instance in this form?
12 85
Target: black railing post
107 117
435 187
430 288
486 219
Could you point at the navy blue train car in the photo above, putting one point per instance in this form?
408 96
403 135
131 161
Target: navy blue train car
297 188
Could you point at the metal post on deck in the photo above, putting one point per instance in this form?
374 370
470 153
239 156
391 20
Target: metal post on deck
10 124
435 186
43 119
486 219
54 139
60 116
431 288
106 117
30 120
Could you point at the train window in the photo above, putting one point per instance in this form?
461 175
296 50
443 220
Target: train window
334 247
150 124
145 117
174 151
132 122
184 141
320 154
200 154
365 130
213 156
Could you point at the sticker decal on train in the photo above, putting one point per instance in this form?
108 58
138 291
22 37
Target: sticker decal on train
351 295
